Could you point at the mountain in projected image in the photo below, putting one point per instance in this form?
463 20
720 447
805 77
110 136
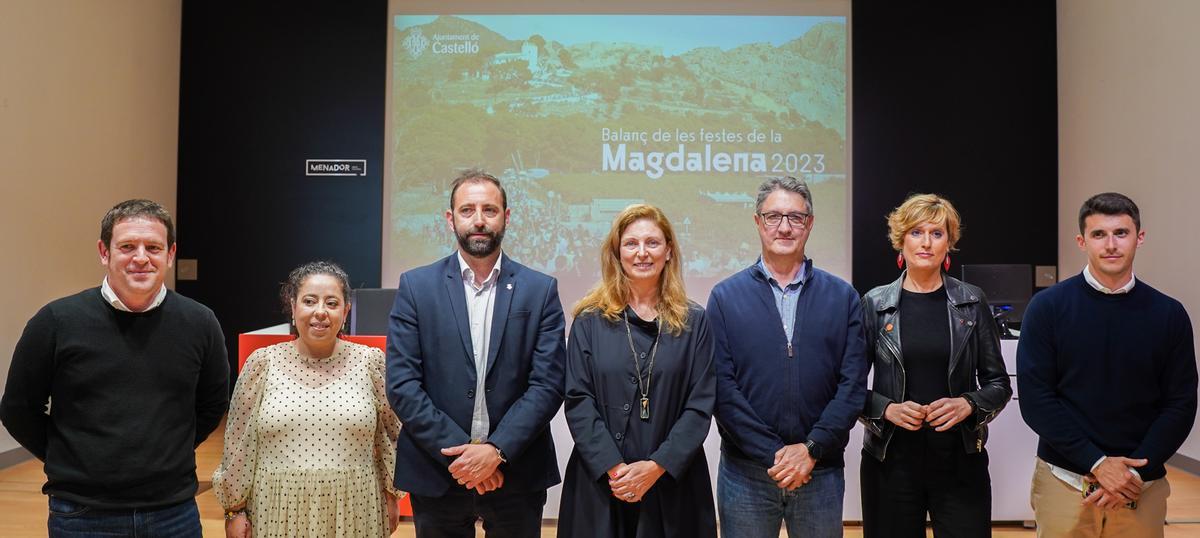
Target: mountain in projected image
806 76
476 66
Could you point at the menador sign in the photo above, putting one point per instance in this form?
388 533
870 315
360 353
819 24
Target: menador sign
335 167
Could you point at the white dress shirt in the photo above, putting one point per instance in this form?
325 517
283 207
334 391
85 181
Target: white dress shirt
481 302
111 297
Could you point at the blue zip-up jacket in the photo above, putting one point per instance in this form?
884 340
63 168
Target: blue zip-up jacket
765 399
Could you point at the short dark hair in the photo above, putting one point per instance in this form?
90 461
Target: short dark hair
295 279
783 183
476 175
136 208
1111 204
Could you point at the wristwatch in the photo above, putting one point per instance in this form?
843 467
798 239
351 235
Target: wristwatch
499 454
814 449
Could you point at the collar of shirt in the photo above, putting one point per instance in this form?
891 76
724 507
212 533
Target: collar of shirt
111 297
469 275
797 281
1091 280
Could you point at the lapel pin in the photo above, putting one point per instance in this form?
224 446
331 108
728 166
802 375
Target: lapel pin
508 286
888 327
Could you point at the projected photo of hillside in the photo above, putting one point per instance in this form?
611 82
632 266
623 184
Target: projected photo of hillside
582 115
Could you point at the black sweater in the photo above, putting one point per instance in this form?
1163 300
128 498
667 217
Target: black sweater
1106 375
132 395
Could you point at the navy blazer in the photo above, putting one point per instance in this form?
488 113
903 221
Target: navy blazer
431 375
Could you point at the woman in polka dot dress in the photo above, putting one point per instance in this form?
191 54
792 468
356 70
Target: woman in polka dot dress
310 442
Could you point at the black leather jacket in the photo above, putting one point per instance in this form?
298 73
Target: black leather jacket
976 366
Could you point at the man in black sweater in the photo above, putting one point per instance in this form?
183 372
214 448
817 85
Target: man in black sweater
1106 376
135 376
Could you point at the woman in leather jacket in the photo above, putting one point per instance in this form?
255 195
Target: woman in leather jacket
939 379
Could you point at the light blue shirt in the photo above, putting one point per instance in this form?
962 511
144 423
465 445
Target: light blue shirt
786 296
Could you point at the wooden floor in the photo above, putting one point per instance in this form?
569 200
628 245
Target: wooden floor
23 507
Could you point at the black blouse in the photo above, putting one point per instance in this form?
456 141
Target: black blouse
926 344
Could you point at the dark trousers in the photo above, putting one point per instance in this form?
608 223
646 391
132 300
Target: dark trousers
504 515
69 519
926 472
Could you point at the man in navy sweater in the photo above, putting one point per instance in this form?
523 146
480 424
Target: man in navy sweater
791 378
1106 376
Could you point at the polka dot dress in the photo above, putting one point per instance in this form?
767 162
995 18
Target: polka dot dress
310 444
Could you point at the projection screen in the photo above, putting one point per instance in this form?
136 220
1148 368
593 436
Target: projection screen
581 114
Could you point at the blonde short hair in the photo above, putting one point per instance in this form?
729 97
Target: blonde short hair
919 209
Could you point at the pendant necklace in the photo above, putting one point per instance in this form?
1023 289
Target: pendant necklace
643 384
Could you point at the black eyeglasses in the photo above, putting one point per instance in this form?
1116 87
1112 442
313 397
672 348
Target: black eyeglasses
797 220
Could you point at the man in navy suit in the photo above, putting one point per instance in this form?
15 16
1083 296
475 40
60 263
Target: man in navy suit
475 361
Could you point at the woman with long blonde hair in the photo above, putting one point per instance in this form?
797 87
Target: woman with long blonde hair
639 394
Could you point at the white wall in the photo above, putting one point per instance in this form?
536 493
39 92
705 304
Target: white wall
1129 121
89 115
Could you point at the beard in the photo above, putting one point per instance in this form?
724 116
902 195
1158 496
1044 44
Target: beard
479 247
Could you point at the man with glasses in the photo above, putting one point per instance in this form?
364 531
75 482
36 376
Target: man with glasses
791 378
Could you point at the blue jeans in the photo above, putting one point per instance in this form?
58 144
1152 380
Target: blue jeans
69 519
751 505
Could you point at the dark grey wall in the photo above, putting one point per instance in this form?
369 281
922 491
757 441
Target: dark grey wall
265 86
957 98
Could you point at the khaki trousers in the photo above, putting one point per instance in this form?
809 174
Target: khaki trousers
1060 512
